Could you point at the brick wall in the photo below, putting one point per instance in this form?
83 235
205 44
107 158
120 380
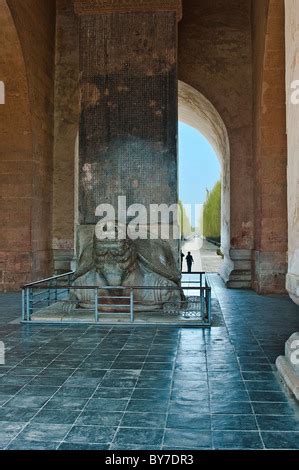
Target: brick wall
27 64
270 146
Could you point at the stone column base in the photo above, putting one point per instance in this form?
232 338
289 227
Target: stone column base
236 270
288 365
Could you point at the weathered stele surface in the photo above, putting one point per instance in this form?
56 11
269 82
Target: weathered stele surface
115 263
128 121
89 7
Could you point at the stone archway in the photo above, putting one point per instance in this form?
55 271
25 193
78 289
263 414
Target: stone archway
199 113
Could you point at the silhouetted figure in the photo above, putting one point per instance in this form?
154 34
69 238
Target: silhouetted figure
182 259
190 261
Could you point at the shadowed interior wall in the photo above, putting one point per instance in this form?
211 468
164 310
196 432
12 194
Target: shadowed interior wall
27 65
270 147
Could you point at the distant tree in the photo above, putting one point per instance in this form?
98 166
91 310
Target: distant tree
212 213
185 224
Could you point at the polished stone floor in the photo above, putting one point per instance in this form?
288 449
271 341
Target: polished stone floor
88 387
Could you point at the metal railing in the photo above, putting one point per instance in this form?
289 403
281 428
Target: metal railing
40 295
46 294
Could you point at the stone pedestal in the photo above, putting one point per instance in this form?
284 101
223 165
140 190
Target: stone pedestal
288 365
237 269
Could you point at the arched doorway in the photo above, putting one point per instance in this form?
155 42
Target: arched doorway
198 112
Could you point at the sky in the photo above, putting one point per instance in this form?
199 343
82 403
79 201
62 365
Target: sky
199 167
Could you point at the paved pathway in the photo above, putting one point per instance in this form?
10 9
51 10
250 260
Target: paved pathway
86 387
204 255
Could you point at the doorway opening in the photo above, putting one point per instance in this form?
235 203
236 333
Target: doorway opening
206 180
200 201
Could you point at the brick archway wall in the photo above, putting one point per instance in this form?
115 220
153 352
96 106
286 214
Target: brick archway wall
27 33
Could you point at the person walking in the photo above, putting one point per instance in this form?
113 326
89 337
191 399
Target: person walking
190 261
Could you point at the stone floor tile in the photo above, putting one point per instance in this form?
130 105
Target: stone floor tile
237 440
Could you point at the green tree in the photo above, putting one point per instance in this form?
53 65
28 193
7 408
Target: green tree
185 224
212 213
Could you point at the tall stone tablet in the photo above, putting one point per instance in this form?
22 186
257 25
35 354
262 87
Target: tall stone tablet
128 128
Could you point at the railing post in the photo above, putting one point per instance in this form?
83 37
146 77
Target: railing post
49 293
55 292
31 305
23 305
201 291
96 305
132 305
27 304
209 305
69 280
202 294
